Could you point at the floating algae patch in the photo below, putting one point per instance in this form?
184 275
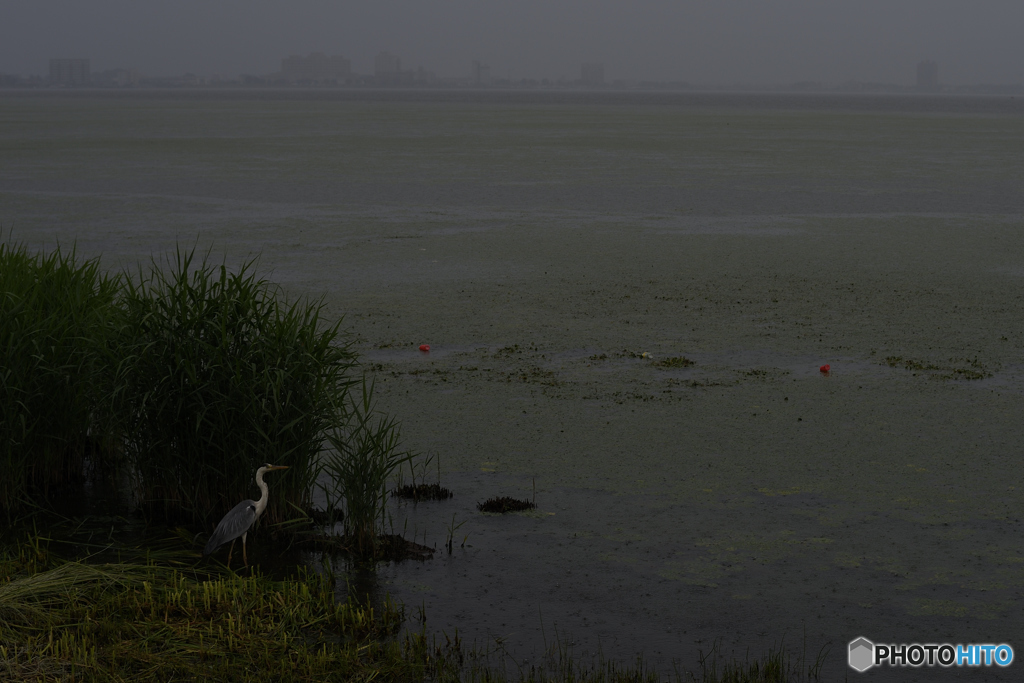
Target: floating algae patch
674 362
953 368
779 492
943 608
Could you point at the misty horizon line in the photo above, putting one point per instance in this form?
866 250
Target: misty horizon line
355 79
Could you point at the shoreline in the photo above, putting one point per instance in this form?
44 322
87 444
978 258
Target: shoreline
1009 103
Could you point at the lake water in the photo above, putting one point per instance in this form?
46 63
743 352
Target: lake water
541 243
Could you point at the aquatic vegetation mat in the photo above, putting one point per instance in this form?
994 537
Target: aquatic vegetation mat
504 504
674 362
954 368
422 492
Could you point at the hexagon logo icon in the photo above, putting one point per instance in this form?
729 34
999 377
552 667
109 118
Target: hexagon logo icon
862 654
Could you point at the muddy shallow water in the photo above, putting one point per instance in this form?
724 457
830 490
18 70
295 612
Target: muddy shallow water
542 249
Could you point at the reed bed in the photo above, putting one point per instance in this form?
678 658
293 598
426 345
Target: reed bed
364 455
56 324
181 378
226 375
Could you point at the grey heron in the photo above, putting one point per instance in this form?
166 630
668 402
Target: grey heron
240 518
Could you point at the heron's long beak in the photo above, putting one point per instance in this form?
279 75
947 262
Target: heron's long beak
277 467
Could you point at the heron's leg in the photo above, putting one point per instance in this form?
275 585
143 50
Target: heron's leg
230 550
243 549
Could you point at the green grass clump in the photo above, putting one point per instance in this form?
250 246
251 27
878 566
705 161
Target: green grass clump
56 322
226 375
125 622
364 454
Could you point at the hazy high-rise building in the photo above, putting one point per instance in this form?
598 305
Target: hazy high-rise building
424 77
316 68
592 74
387 65
927 75
69 71
480 74
117 78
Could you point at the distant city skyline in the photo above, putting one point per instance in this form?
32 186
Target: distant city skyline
786 41
69 72
320 70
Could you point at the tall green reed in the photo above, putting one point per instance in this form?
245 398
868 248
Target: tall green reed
364 454
225 375
56 388
188 376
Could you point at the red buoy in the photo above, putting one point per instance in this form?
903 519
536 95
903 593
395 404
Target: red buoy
824 368
424 348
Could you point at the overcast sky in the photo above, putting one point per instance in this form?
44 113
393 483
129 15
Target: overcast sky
701 41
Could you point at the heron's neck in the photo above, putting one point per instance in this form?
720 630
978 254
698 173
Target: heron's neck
261 504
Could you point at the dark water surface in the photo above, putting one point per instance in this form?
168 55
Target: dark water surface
542 243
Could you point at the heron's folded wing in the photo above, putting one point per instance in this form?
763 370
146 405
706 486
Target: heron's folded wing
234 524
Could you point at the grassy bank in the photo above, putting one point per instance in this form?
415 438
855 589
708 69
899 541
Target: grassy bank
74 621
83 622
